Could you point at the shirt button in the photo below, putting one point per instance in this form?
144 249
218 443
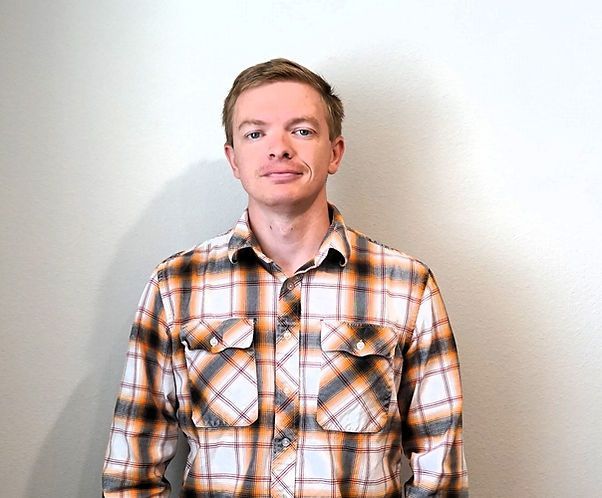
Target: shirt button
286 442
213 341
287 335
290 285
360 345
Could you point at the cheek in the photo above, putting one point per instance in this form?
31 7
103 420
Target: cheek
313 153
242 161
322 158
250 154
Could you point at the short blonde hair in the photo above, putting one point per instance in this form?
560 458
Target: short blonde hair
283 70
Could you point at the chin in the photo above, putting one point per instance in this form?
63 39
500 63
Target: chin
286 202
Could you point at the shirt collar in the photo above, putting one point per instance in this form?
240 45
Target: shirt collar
336 239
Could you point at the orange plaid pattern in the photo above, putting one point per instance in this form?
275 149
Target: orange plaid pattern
311 385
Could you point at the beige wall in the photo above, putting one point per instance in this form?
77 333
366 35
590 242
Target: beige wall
473 143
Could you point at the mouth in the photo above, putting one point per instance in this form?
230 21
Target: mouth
282 175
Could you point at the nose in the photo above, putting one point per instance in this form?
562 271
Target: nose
280 147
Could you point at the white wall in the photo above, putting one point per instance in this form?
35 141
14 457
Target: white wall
473 136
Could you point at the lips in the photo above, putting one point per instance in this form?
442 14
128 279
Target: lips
280 169
282 176
282 173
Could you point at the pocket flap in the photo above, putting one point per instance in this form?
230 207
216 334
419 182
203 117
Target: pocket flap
357 338
216 335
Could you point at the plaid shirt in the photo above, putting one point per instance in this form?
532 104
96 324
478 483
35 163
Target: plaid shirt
312 385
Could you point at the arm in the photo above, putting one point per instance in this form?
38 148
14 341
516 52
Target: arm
430 402
144 431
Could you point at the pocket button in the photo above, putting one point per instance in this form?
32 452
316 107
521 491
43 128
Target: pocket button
360 345
213 341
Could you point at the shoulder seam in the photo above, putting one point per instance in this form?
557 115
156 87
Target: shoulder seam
390 248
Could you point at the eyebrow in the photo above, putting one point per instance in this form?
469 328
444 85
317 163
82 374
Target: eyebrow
251 122
304 119
292 122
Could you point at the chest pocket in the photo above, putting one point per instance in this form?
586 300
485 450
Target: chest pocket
356 376
222 371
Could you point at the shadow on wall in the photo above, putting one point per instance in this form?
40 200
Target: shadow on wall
187 211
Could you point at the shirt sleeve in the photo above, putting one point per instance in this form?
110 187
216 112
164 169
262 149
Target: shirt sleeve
144 431
430 401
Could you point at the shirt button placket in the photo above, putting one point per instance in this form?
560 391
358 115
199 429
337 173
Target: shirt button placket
287 381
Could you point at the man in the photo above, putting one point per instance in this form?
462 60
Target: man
298 356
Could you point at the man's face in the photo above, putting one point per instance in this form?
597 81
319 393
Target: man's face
281 150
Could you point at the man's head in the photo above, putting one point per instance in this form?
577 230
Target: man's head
282 70
283 141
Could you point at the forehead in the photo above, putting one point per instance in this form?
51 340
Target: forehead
279 100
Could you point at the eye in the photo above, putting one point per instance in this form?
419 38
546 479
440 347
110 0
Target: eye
303 132
253 135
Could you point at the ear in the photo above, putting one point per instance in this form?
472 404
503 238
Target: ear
231 156
336 154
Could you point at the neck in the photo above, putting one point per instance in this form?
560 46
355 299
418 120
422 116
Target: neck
291 238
